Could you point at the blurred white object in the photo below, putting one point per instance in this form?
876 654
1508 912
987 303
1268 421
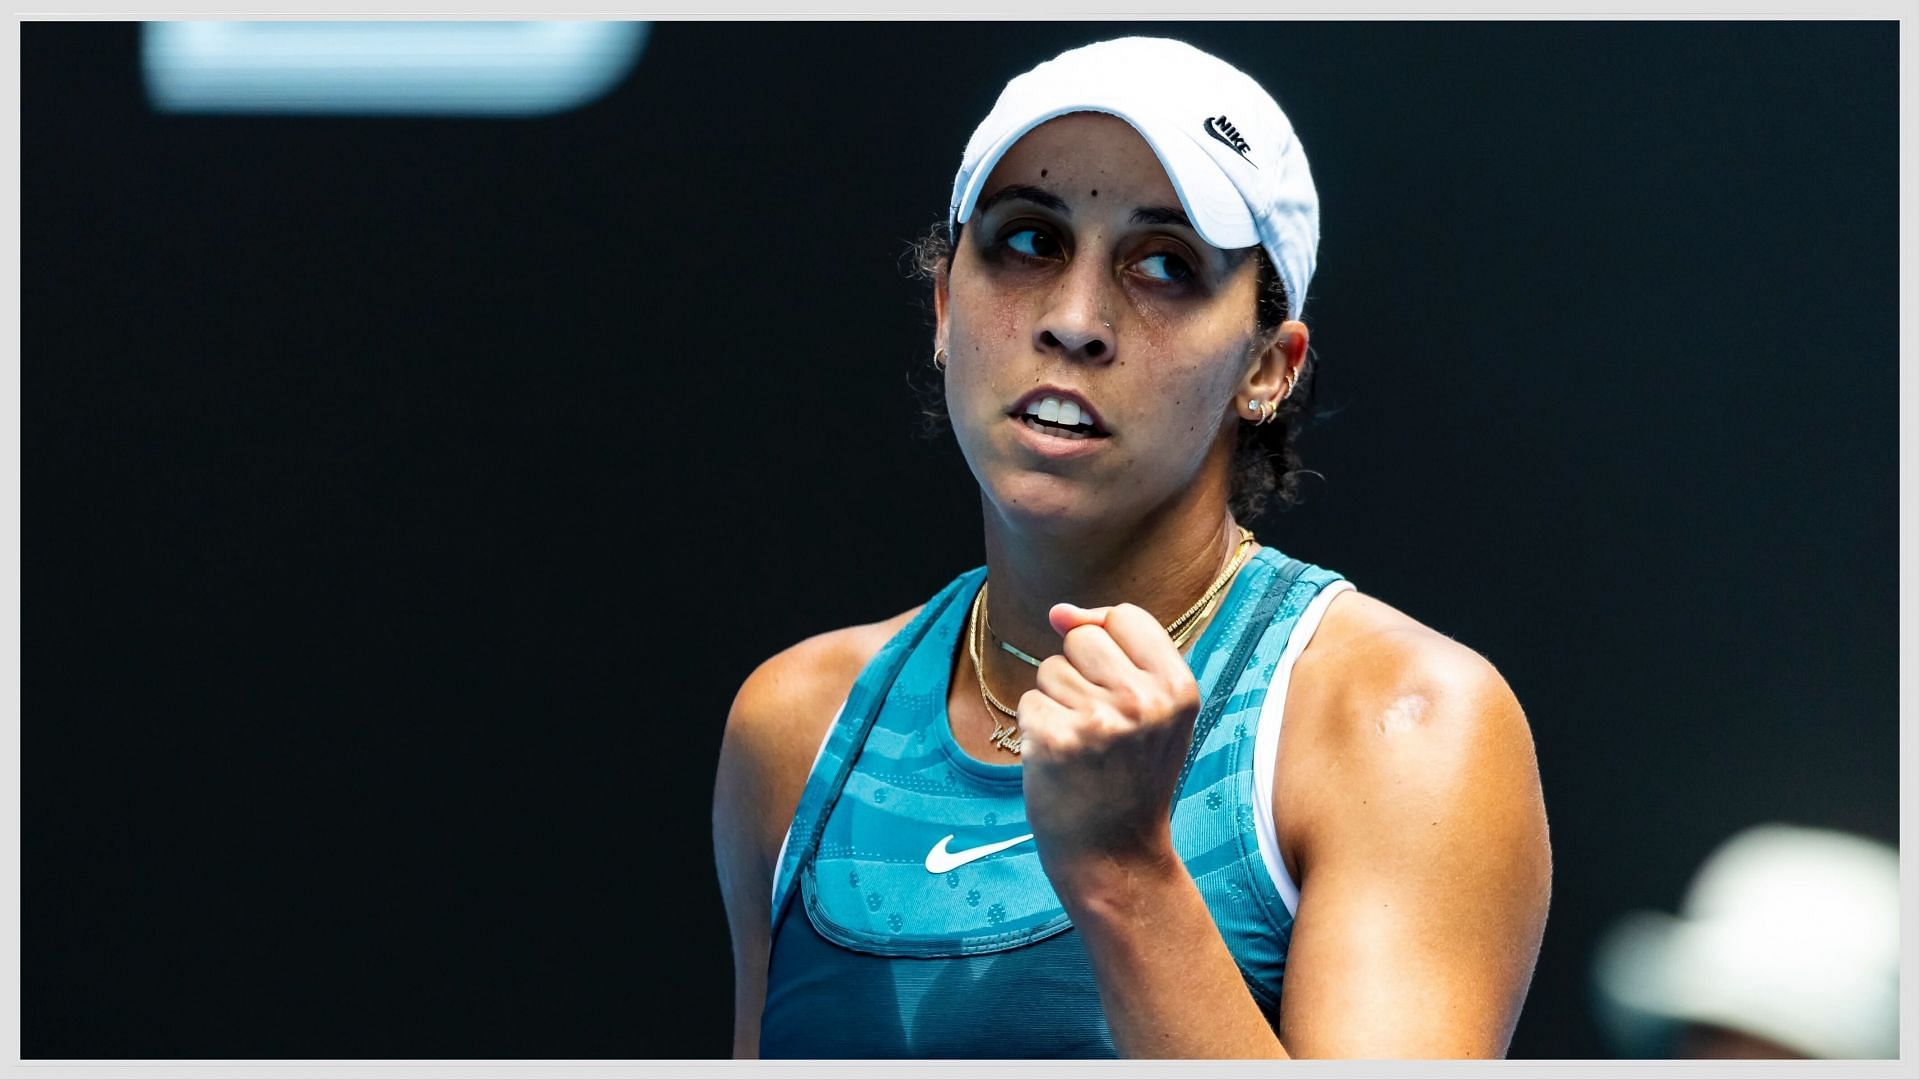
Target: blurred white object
385 68
1787 933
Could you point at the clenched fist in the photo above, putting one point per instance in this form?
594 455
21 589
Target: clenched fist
1106 732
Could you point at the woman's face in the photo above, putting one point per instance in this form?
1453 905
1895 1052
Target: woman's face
1079 277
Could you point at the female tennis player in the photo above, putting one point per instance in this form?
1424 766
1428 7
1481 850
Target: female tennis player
1139 786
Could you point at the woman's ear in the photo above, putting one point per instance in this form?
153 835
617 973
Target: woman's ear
1277 367
1293 347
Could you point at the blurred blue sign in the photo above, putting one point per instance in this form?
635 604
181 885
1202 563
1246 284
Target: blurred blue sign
385 68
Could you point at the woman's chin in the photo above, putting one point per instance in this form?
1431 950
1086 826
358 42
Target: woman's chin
1043 503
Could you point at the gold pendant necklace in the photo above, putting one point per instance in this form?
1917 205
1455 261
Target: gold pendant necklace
1006 732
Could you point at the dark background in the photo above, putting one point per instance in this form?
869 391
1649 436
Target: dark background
404 500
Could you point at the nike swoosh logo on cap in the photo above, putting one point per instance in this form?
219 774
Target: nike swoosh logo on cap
940 860
1230 138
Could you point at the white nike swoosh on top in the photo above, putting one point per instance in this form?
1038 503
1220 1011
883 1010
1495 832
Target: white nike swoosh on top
940 860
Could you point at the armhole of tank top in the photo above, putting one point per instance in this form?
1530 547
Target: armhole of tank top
778 860
1266 741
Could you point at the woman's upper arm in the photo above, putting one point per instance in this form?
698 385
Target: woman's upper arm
764 754
739 819
1425 865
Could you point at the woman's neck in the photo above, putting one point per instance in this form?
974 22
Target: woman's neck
1162 564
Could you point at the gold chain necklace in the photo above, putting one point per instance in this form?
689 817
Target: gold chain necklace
1006 733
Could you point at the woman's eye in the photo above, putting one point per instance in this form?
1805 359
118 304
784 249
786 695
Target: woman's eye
1032 243
1166 267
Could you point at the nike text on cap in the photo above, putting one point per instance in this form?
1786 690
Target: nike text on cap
1232 155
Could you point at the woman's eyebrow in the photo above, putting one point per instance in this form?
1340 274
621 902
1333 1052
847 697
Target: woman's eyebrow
1162 215
1038 196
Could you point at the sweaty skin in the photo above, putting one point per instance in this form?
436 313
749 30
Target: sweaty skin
1406 794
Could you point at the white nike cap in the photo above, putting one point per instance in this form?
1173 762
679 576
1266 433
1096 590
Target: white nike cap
1232 155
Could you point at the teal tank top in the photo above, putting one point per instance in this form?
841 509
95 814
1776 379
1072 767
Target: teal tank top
910 918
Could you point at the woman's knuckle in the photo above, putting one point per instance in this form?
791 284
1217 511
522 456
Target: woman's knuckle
1156 704
1187 694
1080 634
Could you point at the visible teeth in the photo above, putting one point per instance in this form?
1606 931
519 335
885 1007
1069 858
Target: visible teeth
1033 422
1055 411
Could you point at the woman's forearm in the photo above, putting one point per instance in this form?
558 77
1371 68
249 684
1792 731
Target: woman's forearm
1168 984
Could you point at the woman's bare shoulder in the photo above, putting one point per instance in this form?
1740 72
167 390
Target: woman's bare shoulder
1366 652
1383 702
797 690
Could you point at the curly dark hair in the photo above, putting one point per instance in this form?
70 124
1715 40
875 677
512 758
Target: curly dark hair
1266 462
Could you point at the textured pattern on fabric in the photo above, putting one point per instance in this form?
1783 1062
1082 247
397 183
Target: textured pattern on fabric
876 935
869 888
1214 826
872 687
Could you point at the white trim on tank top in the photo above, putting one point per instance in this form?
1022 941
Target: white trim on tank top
782 857
1266 749
1266 740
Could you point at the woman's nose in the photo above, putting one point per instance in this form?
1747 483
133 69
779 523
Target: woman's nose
1073 323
